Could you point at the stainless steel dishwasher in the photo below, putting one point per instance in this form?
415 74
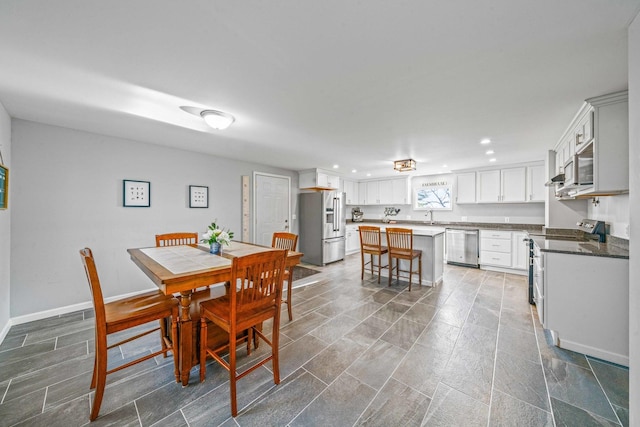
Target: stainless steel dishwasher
462 247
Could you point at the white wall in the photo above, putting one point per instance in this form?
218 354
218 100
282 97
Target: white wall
518 213
67 194
614 211
5 226
634 205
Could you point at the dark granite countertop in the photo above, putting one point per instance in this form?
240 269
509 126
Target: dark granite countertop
580 247
533 228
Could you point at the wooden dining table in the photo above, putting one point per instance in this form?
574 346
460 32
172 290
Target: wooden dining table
181 269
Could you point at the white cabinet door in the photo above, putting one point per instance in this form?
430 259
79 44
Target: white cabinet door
362 193
513 184
489 186
373 193
520 251
333 181
400 192
535 183
385 192
466 187
351 190
352 239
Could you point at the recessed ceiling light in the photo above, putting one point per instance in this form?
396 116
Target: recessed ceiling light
368 174
444 166
485 141
489 152
353 171
492 160
336 166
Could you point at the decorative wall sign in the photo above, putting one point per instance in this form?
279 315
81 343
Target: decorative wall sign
4 187
136 193
198 196
432 193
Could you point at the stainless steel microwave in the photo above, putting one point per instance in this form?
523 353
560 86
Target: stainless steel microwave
578 170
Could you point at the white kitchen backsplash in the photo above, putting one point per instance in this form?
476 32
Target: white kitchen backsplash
614 211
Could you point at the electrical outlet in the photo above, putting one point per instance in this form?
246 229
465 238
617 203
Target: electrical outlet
506 219
464 219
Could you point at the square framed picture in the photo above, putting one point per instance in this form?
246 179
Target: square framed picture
198 196
136 194
431 193
4 187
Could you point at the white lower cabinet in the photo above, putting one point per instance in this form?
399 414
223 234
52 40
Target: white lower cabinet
352 239
498 249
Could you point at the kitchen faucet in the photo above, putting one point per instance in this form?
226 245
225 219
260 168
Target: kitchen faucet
429 214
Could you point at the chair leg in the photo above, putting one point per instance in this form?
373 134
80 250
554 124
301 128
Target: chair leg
232 370
289 289
379 268
420 269
100 375
163 334
390 270
371 255
275 339
175 345
203 348
361 265
410 272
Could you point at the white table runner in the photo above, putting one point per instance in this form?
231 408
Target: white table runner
184 259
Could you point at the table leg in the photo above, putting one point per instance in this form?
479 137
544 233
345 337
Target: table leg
186 336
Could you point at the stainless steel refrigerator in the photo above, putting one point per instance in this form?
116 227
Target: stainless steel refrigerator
322 227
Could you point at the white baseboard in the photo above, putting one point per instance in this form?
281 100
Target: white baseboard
5 331
65 310
620 359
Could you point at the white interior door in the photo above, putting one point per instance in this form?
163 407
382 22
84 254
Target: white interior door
272 206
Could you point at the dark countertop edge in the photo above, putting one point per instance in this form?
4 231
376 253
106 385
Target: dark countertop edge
461 225
603 249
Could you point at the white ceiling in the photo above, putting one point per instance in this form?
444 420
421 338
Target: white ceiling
317 83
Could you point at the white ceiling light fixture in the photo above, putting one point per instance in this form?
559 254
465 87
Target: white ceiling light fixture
489 152
492 160
218 120
485 141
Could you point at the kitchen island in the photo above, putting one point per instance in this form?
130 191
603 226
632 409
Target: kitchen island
427 238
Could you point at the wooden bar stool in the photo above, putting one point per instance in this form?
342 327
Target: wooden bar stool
400 243
125 314
288 241
254 296
370 243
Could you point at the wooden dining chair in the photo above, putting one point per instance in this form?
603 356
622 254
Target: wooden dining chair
400 244
125 314
288 241
370 243
175 239
254 296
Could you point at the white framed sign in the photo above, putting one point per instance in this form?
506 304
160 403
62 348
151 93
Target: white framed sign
432 193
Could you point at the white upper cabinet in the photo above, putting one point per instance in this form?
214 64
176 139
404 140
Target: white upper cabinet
466 187
508 185
489 186
513 184
351 190
535 183
317 178
384 192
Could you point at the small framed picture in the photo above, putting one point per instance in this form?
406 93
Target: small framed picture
198 196
136 193
4 187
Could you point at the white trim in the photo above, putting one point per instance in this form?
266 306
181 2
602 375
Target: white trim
5 331
620 359
66 309
253 199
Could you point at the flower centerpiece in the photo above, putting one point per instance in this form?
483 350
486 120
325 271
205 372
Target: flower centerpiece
216 237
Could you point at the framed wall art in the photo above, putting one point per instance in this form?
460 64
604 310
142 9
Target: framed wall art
4 187
136 194
432 193
198 196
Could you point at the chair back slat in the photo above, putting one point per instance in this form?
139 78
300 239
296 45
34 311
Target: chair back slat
94 285
399 240
370 238
176 239
258 281
284 240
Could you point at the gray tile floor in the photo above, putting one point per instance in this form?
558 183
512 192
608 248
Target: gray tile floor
467 352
